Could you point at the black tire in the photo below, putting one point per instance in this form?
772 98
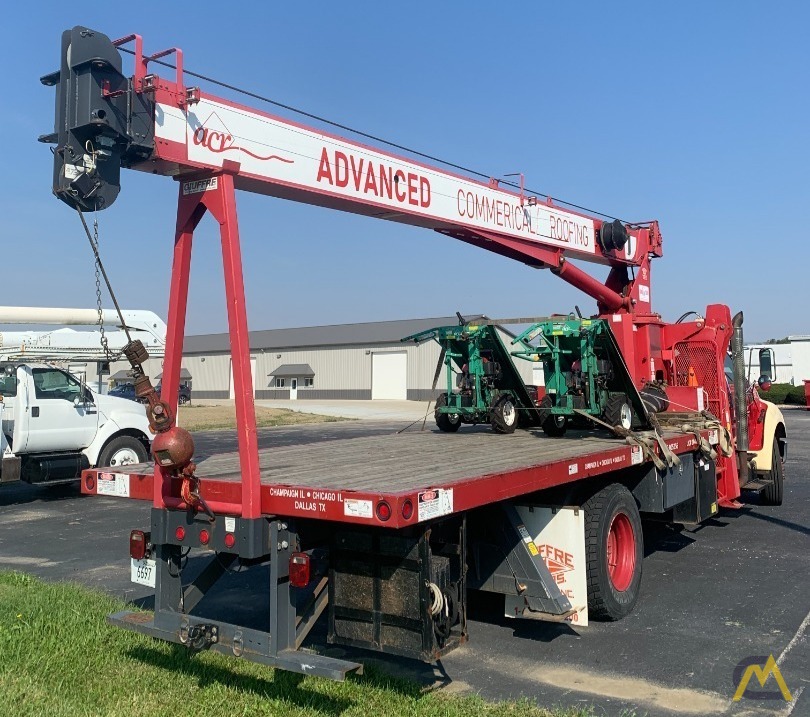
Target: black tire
654 398
503 416
613 591
773 494
618 411
447 422
553 425
183 400
132 450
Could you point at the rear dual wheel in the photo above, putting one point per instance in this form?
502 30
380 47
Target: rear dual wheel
614 550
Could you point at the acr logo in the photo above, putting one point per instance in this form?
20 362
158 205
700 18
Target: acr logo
427 496
215 137
750 667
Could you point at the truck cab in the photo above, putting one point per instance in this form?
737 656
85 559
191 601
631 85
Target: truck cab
54 426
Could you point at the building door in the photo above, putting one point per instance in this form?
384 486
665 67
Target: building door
389 375
293 389
252 377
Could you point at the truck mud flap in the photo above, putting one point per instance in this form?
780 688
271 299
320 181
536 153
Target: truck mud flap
400 592
10 470
505 560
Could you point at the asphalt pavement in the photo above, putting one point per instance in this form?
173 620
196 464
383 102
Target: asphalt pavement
735 588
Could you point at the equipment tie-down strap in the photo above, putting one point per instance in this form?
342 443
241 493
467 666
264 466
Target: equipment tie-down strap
696 423
647 440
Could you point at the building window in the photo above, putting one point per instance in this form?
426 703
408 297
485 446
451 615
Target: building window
309 382
279 383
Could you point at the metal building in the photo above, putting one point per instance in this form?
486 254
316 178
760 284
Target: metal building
346 361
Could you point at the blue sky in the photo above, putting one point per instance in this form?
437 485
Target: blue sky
692 113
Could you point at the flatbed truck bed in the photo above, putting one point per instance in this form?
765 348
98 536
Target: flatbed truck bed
341 480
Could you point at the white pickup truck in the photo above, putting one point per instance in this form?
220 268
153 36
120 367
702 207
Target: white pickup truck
53 426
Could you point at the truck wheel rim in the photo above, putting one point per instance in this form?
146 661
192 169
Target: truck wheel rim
453 418
626 417
621 552
124 457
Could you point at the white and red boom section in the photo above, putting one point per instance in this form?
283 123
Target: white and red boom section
162 126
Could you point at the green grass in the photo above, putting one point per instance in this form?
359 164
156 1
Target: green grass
59 658
206 418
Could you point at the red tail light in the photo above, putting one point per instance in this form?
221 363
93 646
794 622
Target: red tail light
230 540
407 509
138 544
180 533
299 570
204 537
383 511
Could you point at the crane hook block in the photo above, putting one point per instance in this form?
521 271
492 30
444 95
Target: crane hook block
100 124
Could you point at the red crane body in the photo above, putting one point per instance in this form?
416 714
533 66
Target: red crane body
214 146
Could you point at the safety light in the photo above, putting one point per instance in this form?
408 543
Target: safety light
383 511
180 533
204 537
407 509
90 481
230 540
138 544
299 570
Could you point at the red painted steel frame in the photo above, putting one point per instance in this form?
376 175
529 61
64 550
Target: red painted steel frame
224 495
218 198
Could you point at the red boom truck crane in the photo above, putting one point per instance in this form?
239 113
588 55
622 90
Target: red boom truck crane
388 534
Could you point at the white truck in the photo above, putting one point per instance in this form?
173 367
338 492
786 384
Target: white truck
54 425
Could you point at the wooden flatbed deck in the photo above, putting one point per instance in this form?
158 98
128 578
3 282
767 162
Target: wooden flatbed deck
437 472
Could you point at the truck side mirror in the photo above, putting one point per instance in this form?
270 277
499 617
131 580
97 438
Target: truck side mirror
764 383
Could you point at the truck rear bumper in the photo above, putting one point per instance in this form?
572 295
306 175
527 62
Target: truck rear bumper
197 634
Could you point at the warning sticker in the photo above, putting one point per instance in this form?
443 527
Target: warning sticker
434 503
636 455
355 508
530 546
644 292
115 484
230 524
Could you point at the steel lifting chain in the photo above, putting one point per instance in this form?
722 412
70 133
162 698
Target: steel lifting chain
104 342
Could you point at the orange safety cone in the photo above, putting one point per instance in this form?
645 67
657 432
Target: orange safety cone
692 379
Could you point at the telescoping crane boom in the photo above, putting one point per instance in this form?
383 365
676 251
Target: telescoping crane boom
212 146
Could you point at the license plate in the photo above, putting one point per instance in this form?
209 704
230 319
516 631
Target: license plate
143 572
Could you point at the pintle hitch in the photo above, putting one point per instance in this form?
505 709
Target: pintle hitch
199 637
